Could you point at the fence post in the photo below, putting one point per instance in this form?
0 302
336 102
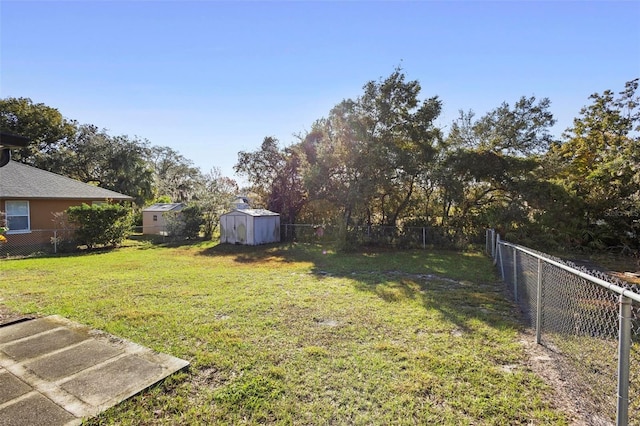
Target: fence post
539 304
55 241
515 274
487 247
624 349
495 238
499 257
424 237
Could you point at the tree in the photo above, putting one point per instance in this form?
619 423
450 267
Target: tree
44 126
599 162
117 163
275 176
486 166
213 198
521 130
370 152
174 175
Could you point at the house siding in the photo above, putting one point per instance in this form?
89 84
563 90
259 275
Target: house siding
151 227
41 218
163 212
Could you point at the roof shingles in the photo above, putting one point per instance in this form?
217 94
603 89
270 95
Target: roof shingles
19 180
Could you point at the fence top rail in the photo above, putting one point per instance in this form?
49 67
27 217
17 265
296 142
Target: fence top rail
615 288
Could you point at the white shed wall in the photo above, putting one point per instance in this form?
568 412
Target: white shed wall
266 229
237 227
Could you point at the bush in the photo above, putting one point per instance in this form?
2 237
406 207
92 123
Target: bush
106 224
193 221
186 223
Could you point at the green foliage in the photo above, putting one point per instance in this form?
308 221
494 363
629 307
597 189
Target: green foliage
213 198
100 225
193 220
175 176
598 164
163 199
360 165
276 177
88 154
117 163
45 127
186 223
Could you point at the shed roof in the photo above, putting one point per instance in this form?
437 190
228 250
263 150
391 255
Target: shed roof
255 212
164 207
19 180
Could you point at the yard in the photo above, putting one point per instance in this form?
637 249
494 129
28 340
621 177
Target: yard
299 334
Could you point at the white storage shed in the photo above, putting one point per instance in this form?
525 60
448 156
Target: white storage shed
250 227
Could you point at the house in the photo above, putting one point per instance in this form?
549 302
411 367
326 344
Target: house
248 226
29 197
156 218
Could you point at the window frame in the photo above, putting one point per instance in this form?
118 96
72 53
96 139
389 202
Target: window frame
26 230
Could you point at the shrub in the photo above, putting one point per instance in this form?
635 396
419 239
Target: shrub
186 223
106 224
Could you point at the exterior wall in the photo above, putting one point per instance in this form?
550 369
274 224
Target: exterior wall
41 211
41 218
266 229
241 228
151 227
234 228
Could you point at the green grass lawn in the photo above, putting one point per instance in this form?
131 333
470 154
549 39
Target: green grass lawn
294 335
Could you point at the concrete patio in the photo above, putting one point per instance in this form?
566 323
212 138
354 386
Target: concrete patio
56 372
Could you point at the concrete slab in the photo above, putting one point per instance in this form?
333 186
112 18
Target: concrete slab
11 387
56 372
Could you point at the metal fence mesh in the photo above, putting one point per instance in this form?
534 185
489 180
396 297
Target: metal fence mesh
580 321
36 242
384 236
42 242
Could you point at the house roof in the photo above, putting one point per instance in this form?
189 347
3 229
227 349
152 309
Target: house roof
10 140
19 180
164 207
255 212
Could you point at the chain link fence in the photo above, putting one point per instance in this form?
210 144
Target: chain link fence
591 319
55 241
43 242
383 236
36 242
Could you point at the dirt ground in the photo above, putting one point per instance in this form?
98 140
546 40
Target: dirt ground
568 394
8 316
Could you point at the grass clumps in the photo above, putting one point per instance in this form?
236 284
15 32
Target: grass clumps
296 334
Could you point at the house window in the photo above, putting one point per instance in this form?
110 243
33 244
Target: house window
155 217
17 216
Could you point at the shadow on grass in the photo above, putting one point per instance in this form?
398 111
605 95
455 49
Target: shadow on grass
461 286
263 253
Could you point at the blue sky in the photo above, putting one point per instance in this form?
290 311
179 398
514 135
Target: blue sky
211 78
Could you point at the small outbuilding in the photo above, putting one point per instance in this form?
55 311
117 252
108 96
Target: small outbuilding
249 226
156 218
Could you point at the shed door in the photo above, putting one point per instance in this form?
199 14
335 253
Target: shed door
233 229
226 229
240 229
